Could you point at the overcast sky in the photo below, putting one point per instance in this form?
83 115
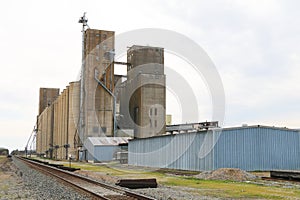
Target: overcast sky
255 45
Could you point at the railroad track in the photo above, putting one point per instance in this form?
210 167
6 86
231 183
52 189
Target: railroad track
93 188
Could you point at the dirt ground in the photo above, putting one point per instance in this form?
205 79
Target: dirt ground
11 183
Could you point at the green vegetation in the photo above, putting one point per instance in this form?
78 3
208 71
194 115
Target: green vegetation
103 168
228 189
208 188
219 189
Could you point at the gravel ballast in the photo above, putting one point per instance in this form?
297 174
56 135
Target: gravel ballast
26 183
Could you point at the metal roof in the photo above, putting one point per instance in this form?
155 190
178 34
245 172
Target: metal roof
108 141
227 128
260 126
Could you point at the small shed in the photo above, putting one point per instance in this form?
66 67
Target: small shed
101 149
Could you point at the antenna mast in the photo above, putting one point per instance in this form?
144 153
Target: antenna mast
82 20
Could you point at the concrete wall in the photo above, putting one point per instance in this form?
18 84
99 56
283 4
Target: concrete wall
145 55
47 96
45 131
45 120
57 125
143 95
61 133
97 103
73 136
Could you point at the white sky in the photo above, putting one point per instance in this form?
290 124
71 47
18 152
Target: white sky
253 43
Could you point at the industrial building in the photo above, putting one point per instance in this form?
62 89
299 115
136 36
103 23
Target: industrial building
142 97
105 116
95 106
56 126
248 147
103 149
47 97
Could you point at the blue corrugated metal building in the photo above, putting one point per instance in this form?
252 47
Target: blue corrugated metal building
100 149
249 148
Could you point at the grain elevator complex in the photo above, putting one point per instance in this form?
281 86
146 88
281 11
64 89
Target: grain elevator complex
105 116
103 104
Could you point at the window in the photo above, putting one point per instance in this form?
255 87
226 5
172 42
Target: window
155 123
150 111
155 111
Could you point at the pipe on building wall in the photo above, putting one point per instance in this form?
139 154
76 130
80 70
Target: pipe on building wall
114 98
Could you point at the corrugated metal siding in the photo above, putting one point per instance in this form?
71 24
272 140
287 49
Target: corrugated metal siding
250 148
100 153
258 149
174 151
105 153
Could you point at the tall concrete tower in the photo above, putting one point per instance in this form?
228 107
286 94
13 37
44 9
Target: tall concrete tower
97 104
47 96
145 91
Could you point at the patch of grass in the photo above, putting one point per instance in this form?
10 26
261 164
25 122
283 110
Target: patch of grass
227 189
98 168
113 171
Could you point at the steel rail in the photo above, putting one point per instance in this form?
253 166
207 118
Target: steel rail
58 173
